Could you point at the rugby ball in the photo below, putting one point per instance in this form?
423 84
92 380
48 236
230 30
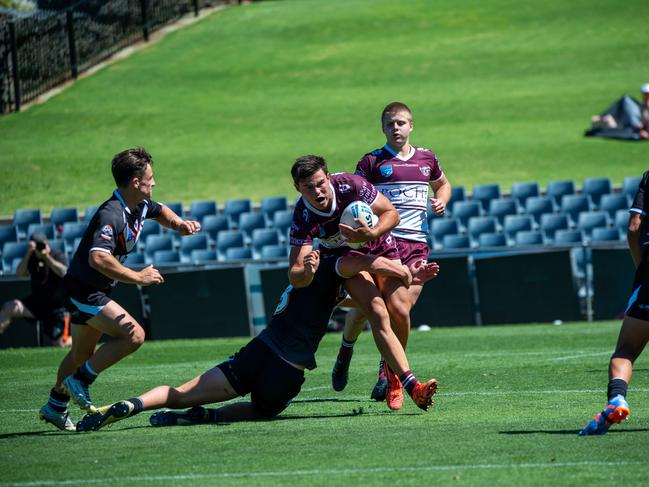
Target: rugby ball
362 211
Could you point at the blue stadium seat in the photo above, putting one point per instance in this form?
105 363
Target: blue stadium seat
238 253
463 210
44 228
457 194
149 227
610 203
199 257
135 260
522 191
500 208
11 251
200 209
251 221
274 252
70 249
568 237
484 193
588 220
25 217
234 208
481 224
189 243
262 237
213 224
71 231
456 242
89 213
630 186
228 239
272 204
59 216
621 221
552 222
57 244
526 237
557 189
14 265
492 240
443 226
605 235
517 223
153 243
176 207
596 188
166 258
573 204
535 206
282 220
8 233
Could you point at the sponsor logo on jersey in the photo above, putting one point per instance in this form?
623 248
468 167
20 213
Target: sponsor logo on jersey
305 215
425 170
106 232
344 188
386 170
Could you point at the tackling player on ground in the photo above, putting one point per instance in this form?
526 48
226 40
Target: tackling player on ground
402 173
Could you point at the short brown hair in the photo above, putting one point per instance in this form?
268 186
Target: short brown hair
307 166
395 107
129 164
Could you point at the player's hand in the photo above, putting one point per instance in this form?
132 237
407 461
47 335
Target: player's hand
423 271
360 234
150 275
188 227
312 262
438 206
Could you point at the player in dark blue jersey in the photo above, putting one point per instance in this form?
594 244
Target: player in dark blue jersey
95 269
271 366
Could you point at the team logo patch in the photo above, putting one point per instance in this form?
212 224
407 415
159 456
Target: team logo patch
106 232
425 170
386 170
344 188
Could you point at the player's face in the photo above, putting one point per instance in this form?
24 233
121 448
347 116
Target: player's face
146 183
397 128
316 190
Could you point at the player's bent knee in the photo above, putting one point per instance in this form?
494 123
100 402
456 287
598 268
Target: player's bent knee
269 410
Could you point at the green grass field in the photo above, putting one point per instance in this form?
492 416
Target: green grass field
510 403
501 90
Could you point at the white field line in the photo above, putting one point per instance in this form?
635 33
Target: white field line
323 472
580 355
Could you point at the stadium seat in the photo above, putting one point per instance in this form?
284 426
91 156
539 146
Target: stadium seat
250 221
44 228
238 253
70 249
176 207
262 237
149 227
166 258
500 208
25 217
557 189
228 239
568 237
457 194
481 224
89 213
573 204
526 237
8 233
484 193
621 221
11 251
535 206
200 209
443 226
233 210
213 224
463 210
57 244
59 216
153 243
522 191
610 203
199 257
71 231
596 188
135 260
551 223
492 240
274 252
630 186
282 220
272 204
588 220
14 265
456 242
517 223
189 243
605 235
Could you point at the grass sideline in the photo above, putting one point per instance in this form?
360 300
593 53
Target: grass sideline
502 91
510 403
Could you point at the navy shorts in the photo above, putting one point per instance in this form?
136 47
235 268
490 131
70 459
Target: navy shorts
638 306
87 300
271 382
54 320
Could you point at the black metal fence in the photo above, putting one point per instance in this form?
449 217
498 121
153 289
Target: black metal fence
41 50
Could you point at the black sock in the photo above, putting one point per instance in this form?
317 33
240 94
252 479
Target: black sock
58 401
138 406
212 415
617 387
85 374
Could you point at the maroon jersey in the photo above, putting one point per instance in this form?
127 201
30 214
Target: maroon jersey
404 181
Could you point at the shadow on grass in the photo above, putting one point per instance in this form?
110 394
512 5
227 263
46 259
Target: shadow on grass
324 399
570 432
9 436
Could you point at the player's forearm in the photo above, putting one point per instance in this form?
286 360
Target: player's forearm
388 268
109 266
387 221
168 218
299 277
443 192
351 265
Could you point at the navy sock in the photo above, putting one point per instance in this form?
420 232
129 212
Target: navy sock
617 387
346 350
58 401
85 374
212 415
408 381
138 406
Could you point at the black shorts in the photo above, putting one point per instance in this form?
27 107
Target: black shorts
271 381
85 299
54 320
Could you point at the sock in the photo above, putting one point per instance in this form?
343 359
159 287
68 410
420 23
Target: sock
58 401
138 406
85 374
617 386
212 415
346 350
408 381
381 364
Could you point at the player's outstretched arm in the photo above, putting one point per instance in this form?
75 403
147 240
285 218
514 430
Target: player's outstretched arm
350 265
169 219
109 266
303 262
423 271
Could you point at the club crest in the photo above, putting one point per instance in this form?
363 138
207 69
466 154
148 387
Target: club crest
386 170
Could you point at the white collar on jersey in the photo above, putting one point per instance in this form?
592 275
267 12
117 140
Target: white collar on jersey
322 213
394 154
121 200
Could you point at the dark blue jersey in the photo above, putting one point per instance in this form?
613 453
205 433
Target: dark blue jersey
114 229
302 315
641 205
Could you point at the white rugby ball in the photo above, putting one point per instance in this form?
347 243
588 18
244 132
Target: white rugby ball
362 211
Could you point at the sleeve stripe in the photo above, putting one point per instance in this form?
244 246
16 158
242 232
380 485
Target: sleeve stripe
99 249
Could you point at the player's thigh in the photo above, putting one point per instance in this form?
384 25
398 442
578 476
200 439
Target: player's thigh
115 321
211 386
276 386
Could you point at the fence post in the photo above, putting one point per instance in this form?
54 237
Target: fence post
195 3
14 63
73 43
145 19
